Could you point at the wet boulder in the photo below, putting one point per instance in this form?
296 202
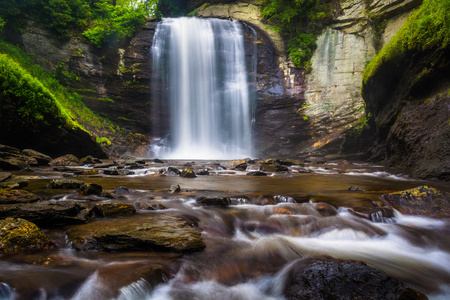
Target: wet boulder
13 164
65 184
339 279
186 173
241 167
137 233
145 205
17 196
214 201
422 200
90 160
171 171
41 159
113 209
5 176
354 188
175 188
115 276
9 149
123 190
256 173
203 172
66 160
91 189
112 172
47 213
21 235
14 182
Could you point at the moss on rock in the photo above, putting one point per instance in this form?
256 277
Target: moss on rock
22 235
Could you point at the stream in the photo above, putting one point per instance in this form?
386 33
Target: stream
269 224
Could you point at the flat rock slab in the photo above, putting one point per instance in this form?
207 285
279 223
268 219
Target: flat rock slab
422 200
47 213
17 196
140 232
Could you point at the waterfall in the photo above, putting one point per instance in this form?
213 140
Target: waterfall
202 106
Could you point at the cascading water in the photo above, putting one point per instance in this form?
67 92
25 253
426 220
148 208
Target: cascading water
200 73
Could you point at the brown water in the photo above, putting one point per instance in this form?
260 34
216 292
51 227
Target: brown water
249 245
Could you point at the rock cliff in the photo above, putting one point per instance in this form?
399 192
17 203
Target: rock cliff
302 114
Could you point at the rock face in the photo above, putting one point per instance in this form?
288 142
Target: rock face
408 102
114 83
145 232
335 279
21 235
333 101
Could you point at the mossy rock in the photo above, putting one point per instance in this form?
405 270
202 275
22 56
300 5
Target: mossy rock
65 184
66 160
422 200
17 196
186 173
114 209
21 235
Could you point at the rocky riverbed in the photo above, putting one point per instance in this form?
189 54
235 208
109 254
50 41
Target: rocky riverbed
271 229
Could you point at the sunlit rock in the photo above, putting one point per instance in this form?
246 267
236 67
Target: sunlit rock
17 196
66 160
22 235
147 233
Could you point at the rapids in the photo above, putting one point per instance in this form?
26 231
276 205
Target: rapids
251 244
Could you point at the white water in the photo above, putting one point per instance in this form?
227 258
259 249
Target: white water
201 68
384 246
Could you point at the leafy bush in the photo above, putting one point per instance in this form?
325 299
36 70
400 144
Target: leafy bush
427 28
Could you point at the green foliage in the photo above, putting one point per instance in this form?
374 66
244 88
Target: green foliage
170 8
98 20
114 23
299 21
106 99
103 141
55 99
25 96
2 23
427 28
